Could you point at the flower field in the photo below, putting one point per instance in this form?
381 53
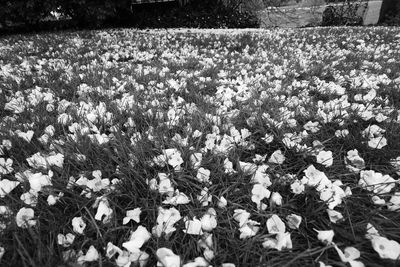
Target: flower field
200 148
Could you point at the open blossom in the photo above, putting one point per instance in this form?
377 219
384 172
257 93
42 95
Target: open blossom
165 221
193 227
259 192
281 241
167 258
27 136
203 175
277 157
293 221
178 198
6 186
137 239
195 160
103 210
354 162
24 218
65 240
78 225
325 158
350 255
275 225
91 255
376 182
132 215
325 236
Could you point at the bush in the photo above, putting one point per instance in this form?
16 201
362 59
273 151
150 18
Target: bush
94 12
392 17
197 14
29 12
345 14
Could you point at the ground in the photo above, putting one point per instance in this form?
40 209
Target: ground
200 147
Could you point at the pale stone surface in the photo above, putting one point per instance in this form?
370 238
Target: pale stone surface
371 16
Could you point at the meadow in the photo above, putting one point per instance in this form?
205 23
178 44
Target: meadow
200 148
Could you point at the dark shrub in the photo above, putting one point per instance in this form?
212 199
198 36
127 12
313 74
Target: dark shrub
342 14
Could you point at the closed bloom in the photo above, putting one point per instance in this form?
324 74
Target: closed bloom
325 236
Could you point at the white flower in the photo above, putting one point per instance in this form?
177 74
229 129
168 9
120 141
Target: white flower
165 221
277 157
394 202
260 177
373 131
297 187
325 236
248 168
55 160
167 258
259 192
91 255
275 225
37 161
268 138
112 249
203 175
24 218
334 216
354 162
137 239
387 249
78 225
312 126
30 198
165 185
228 166
249 229
222 202
38 180
50 130
325 158
241 216
193 227
281 241
195 160
65 240
371 231
177 199
204 198
276 199
103 210
26 136
293 221
377 142
209 220
2 251
6 166
376 182
6 186
350 255
173 158
315 178
198 262
132 215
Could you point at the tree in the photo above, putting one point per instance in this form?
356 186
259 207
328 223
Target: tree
389 7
